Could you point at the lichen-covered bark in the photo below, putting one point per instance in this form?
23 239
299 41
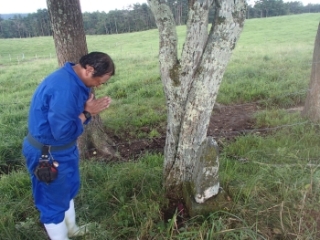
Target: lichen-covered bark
197 77
207 78
170 75
312 104
205 177
68 31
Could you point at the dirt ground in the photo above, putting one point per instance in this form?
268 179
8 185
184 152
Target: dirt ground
226 123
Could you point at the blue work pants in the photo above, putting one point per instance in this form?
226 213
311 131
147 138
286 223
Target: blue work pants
52 200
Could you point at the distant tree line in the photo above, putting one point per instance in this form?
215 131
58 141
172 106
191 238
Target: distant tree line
271 8
137 17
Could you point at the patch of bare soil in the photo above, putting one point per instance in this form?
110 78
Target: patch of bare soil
233 120
226 122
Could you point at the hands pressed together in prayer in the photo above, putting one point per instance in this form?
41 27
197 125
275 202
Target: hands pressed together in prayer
95 106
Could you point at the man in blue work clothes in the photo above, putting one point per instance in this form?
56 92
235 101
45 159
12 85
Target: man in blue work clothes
60 106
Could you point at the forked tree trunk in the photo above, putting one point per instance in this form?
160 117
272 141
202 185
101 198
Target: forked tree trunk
312 105
191 85
70 43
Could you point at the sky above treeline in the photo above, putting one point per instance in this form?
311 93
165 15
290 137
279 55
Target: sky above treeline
31 6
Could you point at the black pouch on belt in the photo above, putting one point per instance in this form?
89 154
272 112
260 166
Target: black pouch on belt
45 170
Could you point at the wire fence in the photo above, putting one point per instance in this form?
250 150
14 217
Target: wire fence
263 101
18 58
222 134
115 50
14 58
307 162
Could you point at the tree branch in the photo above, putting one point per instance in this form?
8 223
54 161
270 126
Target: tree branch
197 35
225 30
167 32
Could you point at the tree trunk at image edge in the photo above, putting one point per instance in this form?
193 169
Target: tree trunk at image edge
191 84
312 105
70 43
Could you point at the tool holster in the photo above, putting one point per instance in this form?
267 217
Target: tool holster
45 170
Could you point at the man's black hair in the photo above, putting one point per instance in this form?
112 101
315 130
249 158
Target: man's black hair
101 63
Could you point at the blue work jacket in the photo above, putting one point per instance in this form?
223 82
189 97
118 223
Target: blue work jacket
55 107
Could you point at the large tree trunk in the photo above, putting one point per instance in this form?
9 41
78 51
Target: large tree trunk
68 31
312 105
191 85
70 42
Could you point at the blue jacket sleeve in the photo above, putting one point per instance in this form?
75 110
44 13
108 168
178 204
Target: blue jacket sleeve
63 116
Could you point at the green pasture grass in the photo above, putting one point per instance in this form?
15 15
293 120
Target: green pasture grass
271 62
17 50
271 198
17 84
271 175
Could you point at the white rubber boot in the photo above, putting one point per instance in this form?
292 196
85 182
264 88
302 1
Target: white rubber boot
73 229
57 231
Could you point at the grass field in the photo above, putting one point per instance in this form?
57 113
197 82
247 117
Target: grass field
275 192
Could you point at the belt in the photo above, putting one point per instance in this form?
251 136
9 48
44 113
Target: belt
35 143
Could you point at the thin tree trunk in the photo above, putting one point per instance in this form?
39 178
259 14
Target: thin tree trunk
115 24
41 28
312 105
